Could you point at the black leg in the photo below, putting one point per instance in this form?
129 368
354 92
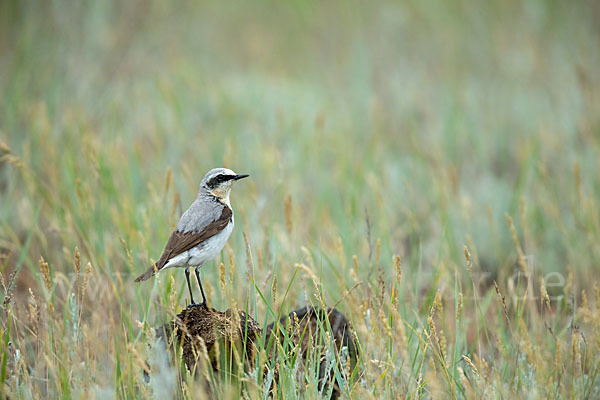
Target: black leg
187 277
200 283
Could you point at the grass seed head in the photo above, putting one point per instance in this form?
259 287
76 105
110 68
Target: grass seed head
443 345
222 277
274 289
576 356
515 238
248 257
3 282
473 367
77 261
483 365
33 313
469 262
45 268
231 264
544 295
384 321
173 293
398 269
287 206
433 333
86 278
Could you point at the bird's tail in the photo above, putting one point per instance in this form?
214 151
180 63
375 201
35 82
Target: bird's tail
148 274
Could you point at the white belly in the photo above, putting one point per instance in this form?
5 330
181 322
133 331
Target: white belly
205 251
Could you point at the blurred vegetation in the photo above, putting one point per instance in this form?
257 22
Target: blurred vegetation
370 130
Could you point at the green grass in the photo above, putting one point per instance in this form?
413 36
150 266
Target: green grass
370 130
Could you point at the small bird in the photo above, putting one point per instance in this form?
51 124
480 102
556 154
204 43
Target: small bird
202 230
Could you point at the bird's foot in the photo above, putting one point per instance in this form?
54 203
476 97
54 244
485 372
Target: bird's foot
203 305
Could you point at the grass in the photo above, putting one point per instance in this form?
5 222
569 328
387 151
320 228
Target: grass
431 168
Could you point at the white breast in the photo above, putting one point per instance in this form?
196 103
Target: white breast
204 252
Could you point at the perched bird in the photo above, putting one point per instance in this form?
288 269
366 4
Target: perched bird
202 230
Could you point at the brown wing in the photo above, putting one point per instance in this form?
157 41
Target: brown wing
183 241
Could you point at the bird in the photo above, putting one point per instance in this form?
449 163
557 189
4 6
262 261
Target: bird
202 230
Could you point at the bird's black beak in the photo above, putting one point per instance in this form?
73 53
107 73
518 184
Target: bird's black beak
238 177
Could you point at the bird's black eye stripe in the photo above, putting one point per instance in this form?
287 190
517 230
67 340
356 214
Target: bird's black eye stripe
217 180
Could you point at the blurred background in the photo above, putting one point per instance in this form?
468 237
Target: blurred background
434 119
421 124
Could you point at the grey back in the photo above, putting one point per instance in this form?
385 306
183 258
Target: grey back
204 210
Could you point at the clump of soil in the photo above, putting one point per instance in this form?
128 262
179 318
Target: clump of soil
210 334
200 330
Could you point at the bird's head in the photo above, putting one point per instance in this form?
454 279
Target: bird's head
218 181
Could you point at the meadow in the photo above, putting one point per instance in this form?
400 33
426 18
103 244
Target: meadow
431 169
